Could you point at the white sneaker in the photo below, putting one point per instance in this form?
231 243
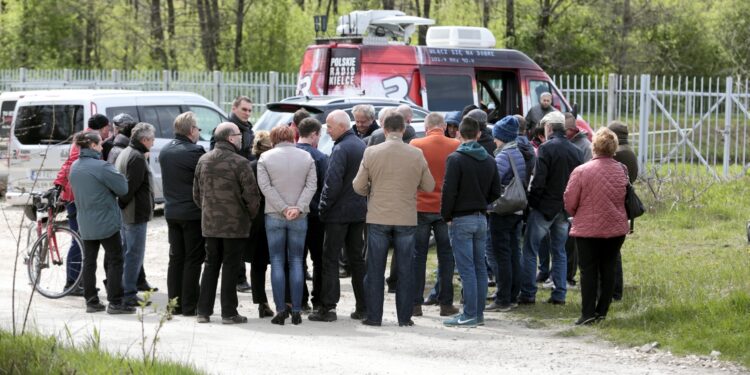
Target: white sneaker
548 284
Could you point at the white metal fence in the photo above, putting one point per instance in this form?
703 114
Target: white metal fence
672 120
219 87
693 121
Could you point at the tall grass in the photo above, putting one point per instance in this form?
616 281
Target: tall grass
32 354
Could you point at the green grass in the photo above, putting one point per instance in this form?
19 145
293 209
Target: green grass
686 271
33 354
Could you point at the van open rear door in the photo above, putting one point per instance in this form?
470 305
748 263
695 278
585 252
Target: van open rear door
313 72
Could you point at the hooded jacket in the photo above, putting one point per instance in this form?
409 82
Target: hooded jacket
119 144
581 141
246 128
97 184
471 182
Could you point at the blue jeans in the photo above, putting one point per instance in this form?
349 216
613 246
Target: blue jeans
426 223
544 259
378 239
286 238
73 266
537 228
133 249
469 239
506 249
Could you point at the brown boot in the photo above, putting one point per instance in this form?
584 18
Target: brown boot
448 310
417 311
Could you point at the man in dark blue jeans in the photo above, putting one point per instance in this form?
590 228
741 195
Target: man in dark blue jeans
436 147
389 176
471 183
556 159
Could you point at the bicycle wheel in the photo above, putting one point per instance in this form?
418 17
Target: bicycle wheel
48 272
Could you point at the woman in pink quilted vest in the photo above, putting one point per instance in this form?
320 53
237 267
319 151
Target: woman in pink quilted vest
595 198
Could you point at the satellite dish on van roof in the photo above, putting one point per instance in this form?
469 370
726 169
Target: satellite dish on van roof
390 24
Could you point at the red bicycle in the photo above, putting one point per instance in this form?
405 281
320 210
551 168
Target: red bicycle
48 261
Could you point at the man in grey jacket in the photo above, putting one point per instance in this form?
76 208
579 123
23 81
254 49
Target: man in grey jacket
578 137
137 205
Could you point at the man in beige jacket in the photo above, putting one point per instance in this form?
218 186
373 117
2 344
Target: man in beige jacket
389 176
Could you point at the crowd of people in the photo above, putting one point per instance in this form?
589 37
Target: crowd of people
272 198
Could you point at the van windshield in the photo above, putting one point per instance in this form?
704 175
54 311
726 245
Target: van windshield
48 124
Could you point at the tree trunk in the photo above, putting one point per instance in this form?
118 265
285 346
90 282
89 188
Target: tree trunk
238 32
157 36
301 4
542 26
423 29
389 4
486 9
89 41
208 37
627 24
510 24
172 34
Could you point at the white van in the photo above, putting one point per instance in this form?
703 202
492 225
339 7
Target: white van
44 124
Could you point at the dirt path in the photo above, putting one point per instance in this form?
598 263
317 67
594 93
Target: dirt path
503 346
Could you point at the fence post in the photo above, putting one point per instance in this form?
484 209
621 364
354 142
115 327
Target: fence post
217 89
22 75
273 83
645 102
727 125
66 77
115 74
611 97
165 77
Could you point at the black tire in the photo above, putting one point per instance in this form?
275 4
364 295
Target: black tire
50 278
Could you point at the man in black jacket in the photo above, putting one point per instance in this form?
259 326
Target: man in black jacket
343 213
556 159
137 205
186 244
471 183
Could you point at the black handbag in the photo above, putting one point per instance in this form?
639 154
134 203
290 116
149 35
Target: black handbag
513 198
633 205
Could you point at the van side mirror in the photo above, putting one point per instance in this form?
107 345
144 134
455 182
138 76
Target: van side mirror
575 110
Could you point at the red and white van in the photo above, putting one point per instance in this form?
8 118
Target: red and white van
457 67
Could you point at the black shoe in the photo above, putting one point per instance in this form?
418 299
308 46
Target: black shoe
136 302
280 318
582 321
555 302
540 278
244 287
524 301
391 289
146 287
430 302
76 292
371 323
322 315
237 319
600 318
189 313
95 307
296 318
616 298
358 315
120 309
572 282
264 310
416 310
343 273
407 323
203 319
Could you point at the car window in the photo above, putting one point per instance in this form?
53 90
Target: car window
536 89
131 110
6 112
208 119
161 117
448 92
270 119
48 124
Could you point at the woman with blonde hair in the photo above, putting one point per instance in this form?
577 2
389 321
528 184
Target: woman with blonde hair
600 223
288 181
